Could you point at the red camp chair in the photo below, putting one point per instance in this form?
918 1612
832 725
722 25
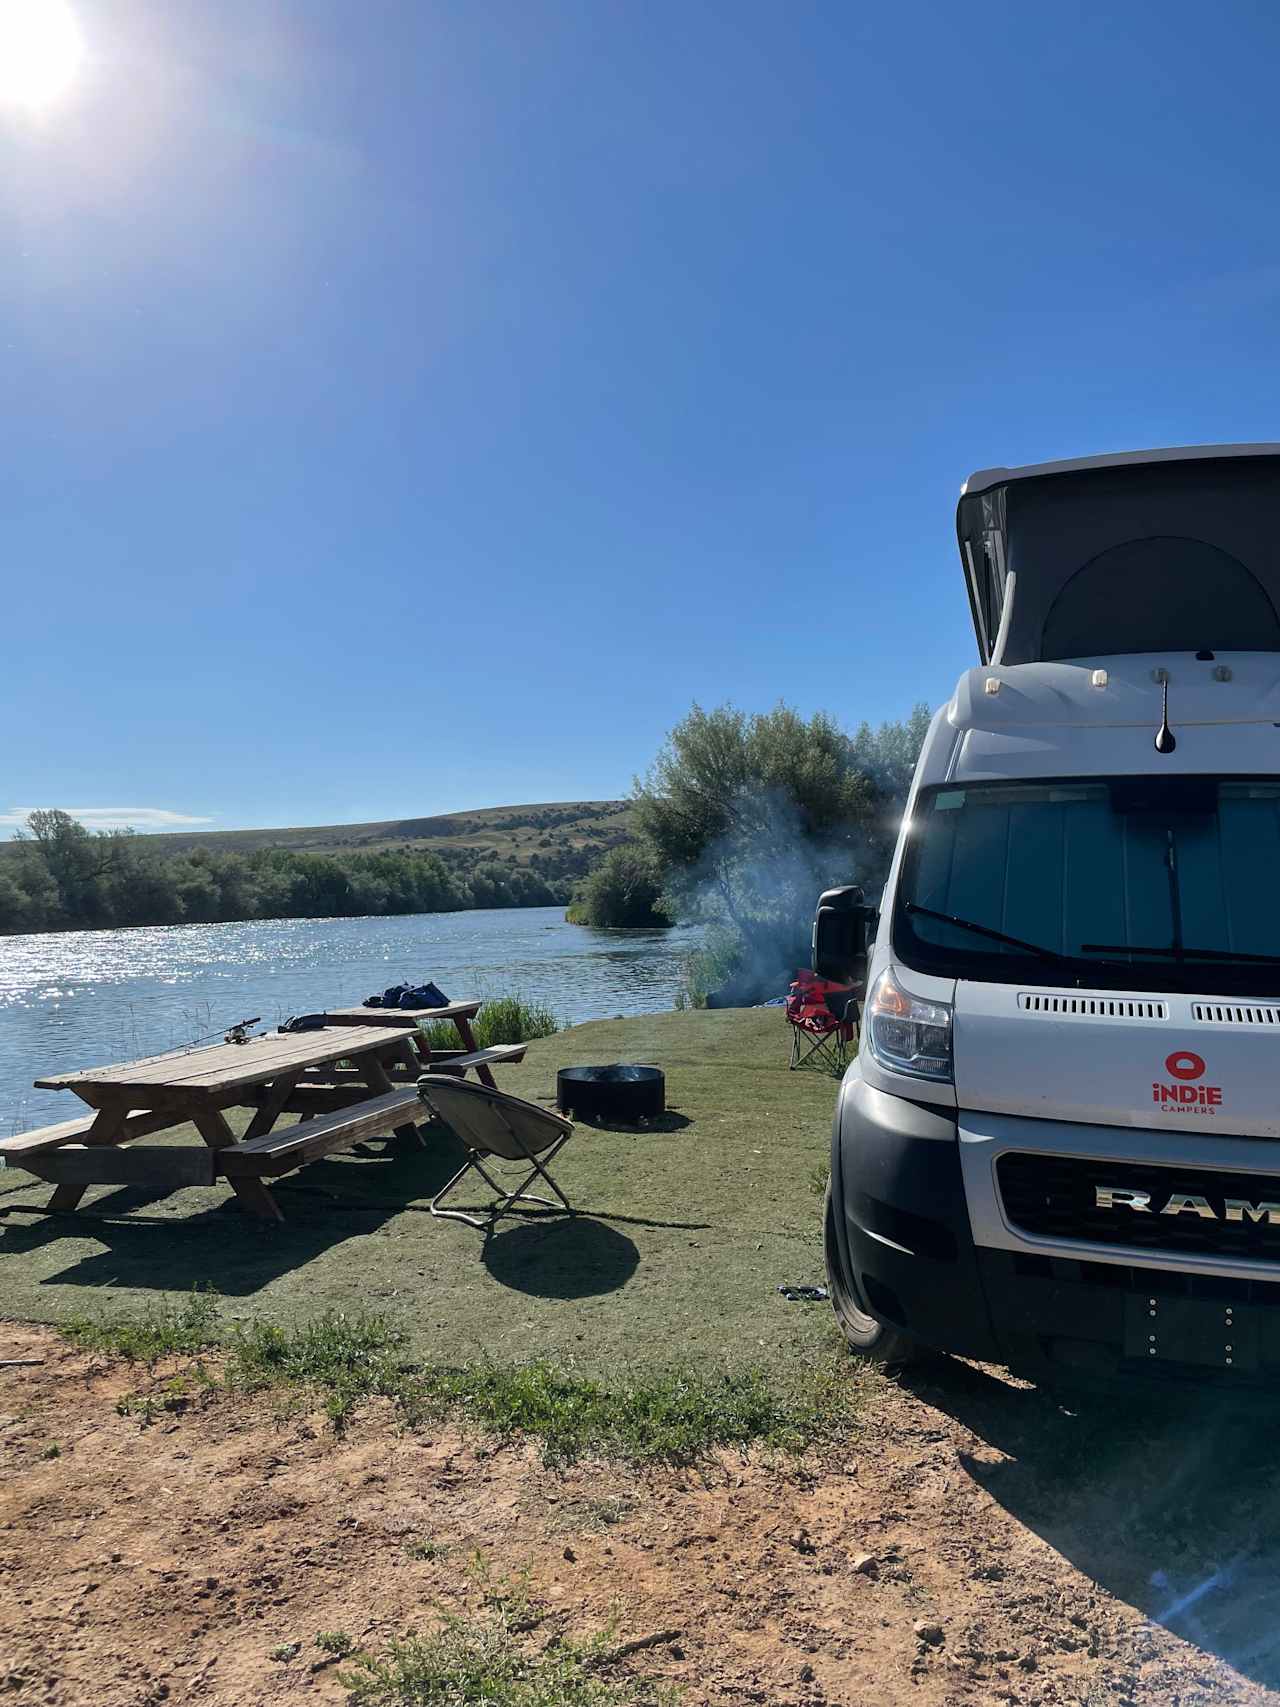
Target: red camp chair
822 1016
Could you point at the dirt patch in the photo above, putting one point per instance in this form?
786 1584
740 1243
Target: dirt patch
168 1560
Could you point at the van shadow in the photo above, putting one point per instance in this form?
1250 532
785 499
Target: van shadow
1170 1504
567 1257
331 1201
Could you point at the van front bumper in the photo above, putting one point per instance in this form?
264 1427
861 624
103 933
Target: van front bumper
1071 1312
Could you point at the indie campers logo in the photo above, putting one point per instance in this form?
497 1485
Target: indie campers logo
1186 1097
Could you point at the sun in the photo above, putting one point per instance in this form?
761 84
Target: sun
40 51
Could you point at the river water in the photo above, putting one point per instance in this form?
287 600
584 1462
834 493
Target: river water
83 998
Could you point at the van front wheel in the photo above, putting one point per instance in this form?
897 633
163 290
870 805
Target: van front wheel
866 1336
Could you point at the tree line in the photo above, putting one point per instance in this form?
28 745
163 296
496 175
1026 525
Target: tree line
742 821
61 876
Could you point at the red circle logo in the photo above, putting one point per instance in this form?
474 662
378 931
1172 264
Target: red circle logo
1185 1064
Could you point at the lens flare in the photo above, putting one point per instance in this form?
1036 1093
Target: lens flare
40 52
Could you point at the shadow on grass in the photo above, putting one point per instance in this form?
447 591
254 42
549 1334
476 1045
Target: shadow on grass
335 1200
671 1121
572 1257
1171 1503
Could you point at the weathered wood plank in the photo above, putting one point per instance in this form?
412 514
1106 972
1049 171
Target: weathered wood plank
138 1123
107 1129
171 1166
311 1099
462 1025
468 1009
254 1197
291 1147
224 1066
272 1106
495 1055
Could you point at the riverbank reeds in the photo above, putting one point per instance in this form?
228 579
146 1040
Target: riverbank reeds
502 1019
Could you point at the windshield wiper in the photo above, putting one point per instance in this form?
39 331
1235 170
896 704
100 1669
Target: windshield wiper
1177 952
986 930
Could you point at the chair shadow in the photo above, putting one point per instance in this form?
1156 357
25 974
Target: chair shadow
325 1204
671 1121
1170 1504
567 1257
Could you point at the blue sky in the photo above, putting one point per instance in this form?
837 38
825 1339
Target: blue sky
411 405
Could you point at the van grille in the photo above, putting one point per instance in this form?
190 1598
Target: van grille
1233 1013
1054 1197
1059 1006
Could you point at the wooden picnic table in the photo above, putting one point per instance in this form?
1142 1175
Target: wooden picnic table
461 1013
272 1074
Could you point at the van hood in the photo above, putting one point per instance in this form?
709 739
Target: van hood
1190 1064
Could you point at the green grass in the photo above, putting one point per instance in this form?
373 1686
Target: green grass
146 1334
504 1019
675 1413
424 1548
497 1659
684 1231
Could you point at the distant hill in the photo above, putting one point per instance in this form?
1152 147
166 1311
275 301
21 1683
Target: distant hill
560 839
502 856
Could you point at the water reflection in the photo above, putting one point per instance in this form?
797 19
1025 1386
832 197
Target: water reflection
79 998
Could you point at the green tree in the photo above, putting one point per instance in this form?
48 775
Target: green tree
751 817
75 861
746 814
624 890
888 756
15 904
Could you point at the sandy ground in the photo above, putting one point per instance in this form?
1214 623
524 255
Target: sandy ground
165 1561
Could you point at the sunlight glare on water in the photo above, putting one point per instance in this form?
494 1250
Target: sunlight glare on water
82 998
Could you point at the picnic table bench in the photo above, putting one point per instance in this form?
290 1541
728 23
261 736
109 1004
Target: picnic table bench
137 1098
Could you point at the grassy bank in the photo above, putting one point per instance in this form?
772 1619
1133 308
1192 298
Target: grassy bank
684 1234
674 1413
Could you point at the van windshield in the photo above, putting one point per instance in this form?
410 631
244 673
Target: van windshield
1132 882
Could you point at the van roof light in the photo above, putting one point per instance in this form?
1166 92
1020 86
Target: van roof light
1099 679
993 684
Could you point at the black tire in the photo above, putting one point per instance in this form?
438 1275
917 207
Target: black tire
867 1336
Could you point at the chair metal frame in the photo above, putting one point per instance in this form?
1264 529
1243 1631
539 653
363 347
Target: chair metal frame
828 1049
504 1200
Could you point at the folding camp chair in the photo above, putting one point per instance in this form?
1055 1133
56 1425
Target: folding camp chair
491 1123
822 1017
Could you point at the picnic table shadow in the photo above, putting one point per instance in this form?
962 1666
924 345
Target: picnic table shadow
331 1201
325 1204
1170 1504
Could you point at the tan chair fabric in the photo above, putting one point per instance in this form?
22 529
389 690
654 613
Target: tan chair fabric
491 1123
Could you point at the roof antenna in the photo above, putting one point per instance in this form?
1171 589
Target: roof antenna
1165 742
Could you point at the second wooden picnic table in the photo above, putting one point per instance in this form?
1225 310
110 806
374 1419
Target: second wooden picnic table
460 1014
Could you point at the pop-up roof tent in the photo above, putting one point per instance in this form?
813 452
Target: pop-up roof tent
1147 551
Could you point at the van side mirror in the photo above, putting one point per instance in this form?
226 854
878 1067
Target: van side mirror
843 928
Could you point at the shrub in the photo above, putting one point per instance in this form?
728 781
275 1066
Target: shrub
623 892
506 1019
750 818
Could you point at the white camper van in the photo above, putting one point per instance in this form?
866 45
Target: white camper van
1057 1148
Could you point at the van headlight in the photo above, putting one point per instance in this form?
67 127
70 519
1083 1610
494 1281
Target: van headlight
906 1034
